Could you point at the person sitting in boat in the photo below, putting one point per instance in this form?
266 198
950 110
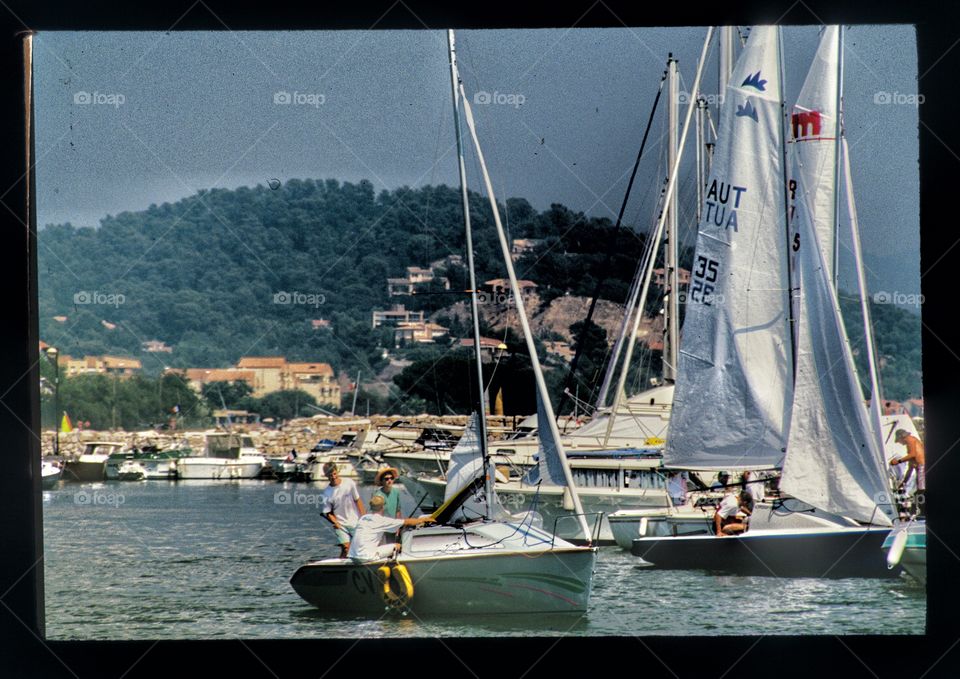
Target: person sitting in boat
386 479
342 506
371 528
292 455
915 459
721 482
731 515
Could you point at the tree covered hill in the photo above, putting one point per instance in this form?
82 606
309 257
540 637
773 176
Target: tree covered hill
209 274
227 273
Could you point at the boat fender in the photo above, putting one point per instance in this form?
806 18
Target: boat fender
896 549
399 598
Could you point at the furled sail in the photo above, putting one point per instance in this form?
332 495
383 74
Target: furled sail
734 383
833 459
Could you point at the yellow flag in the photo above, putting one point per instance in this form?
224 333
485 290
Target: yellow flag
65 425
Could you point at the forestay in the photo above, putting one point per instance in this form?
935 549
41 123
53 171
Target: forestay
734 383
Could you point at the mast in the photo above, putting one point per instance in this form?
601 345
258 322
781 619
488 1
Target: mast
474 311
656 236
547 407
671 326
726 61
838 133
784 117
356 392
875 395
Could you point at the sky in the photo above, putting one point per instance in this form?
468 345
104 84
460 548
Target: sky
125 120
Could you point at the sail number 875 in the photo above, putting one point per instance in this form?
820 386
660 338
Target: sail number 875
704 276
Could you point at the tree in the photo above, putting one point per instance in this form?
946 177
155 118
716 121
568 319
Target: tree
286 404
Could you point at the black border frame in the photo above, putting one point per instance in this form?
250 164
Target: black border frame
25 651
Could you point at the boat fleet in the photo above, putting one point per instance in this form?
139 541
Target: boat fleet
762 384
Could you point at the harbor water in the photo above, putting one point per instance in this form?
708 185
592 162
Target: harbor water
205 560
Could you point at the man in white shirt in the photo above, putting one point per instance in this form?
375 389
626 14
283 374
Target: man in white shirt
373 526
342 506
727 521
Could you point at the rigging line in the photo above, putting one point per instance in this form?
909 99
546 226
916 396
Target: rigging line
611 250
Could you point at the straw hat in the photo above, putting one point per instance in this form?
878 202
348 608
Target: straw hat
383 471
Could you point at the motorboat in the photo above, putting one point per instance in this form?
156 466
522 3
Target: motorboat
91 465
227 456
50 474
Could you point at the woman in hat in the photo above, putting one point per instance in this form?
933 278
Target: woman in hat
386 479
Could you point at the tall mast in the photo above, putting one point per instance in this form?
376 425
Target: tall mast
875 395
474 311
838 133
551 420
726 61
671 326
656 236
791 319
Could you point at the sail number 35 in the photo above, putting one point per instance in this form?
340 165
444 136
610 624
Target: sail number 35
704 276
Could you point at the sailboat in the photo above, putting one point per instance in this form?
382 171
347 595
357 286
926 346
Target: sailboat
478 559
767 379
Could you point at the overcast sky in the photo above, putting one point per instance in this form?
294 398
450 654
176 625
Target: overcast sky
129 119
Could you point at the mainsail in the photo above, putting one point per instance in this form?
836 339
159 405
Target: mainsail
734 383
833 461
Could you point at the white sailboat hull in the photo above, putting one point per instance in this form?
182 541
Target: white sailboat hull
492 568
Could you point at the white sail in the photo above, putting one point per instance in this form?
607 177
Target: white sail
466 460
814 135
733 389
833 461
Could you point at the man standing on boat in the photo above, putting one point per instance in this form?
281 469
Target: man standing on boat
388 491
371 529
342 506
915 459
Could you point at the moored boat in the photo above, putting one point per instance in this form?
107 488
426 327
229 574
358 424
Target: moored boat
226 457
91 465
50 474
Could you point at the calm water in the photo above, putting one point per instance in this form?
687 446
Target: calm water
161 560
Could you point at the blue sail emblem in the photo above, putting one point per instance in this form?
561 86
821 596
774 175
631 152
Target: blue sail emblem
748 111
755 82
